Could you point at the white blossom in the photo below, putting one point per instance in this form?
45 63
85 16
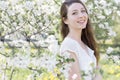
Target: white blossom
15 13
84 1
116 58
14 2
2 48
109 50
118 12
107 11
65 70
74 76
103 3
11 12
46 61
101 16
19 9
4 77
36 62
53 44
101 26
19 61
37 12
66 54
4 5
111 33
39 2
106 25
30 77
51 63
54 47
117 1
29 5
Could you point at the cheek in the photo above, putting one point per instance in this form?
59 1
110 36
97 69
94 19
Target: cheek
71 19
86 17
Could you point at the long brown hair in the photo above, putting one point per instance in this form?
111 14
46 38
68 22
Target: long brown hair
87 33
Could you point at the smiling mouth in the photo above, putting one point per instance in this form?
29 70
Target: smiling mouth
81 21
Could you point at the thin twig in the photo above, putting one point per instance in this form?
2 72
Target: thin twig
16 29
2 37
56 2
12 73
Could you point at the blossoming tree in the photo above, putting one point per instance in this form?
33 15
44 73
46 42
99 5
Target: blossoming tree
29 37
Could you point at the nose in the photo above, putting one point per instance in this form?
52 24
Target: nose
81 15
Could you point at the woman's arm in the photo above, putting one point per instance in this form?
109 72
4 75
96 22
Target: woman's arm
74 73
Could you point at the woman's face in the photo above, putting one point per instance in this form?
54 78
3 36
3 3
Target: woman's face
77 16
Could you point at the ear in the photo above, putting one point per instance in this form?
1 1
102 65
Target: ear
65 20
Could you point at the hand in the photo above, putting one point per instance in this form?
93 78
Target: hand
98 77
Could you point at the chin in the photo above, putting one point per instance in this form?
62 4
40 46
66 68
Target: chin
84 27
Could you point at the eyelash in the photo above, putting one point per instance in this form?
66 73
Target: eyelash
74 13
77 12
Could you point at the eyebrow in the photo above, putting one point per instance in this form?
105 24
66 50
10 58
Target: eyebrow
77 10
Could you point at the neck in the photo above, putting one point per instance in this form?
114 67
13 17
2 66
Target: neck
76 35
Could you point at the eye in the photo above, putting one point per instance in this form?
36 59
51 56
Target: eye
74 13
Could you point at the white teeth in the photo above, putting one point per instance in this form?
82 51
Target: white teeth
81 21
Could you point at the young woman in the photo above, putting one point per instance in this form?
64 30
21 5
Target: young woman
78 40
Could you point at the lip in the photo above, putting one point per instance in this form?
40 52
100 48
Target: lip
81 21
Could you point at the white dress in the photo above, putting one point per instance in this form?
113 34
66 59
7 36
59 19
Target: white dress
87 61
